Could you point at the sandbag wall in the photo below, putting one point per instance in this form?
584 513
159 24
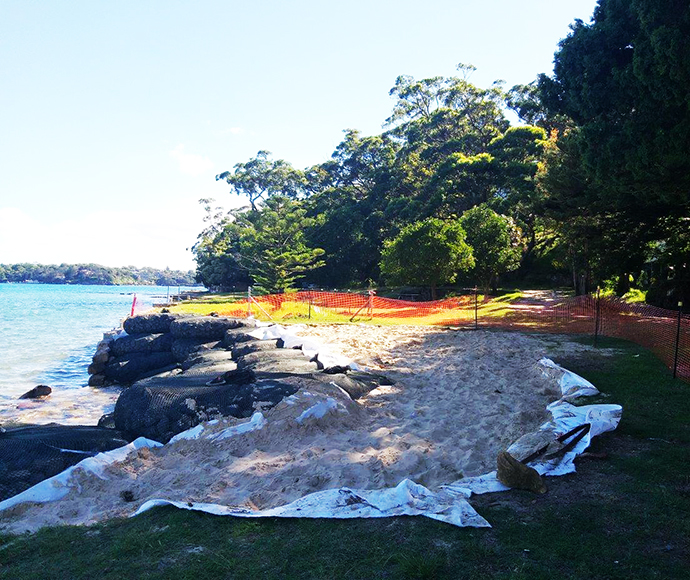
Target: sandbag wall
183 370
152 344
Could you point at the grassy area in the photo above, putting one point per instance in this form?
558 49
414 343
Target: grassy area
627 516
287 311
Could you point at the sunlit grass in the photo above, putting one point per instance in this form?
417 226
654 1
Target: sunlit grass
292 310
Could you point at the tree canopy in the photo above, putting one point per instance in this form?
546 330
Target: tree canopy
589 188
426 253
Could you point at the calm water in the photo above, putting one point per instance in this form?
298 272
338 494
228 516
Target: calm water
48 334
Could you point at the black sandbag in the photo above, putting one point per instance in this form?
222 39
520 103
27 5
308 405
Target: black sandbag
243 348
183 347
277 361
207 357
150 323
355 383
208 328
145 343
28 455
129 368
235 336
197 376
276 354
160 413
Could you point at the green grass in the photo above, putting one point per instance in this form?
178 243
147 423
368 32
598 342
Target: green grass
624 517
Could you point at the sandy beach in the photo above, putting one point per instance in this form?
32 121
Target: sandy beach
458 399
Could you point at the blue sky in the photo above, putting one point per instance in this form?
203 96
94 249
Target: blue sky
115 116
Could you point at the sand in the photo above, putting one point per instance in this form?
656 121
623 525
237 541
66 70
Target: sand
459 399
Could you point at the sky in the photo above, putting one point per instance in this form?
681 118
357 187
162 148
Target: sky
115 116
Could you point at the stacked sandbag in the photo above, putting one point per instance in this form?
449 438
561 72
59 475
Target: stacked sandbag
154 343
220 369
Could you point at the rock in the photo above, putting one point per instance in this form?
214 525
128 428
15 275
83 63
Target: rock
205 328
97 380
517 475
145 343
101 356
127 369
107 421
37 392
95 368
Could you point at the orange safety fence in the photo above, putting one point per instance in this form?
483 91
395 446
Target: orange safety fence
662 331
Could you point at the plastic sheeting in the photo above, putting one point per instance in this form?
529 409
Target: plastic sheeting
407 498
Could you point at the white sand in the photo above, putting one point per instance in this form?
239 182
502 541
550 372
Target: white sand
459 398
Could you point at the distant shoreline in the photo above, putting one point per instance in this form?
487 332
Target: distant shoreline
94 275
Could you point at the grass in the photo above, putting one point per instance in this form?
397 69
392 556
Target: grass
624 517
291 311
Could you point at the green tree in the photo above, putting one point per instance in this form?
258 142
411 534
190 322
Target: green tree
496 244
427 253
623 79
273 245
262 177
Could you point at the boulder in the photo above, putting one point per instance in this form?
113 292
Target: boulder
145 343
101 356
37 392
97 380
206 328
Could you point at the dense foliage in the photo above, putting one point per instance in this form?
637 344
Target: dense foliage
94 274
427 253
591 190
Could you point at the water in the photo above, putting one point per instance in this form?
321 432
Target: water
48 334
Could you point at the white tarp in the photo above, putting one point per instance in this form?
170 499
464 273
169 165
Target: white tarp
59 485
407 498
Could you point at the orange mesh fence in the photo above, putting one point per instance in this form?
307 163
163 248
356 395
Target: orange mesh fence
654 328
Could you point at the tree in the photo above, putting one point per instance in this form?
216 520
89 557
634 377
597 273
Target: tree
623 79
216 251
495 241
261 177
273 245
426 253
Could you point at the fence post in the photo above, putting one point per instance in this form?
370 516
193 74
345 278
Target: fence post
249 301
675 356
476 309
597 315
309 304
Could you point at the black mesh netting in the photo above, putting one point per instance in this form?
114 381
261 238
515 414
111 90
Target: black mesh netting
160 412
28 455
